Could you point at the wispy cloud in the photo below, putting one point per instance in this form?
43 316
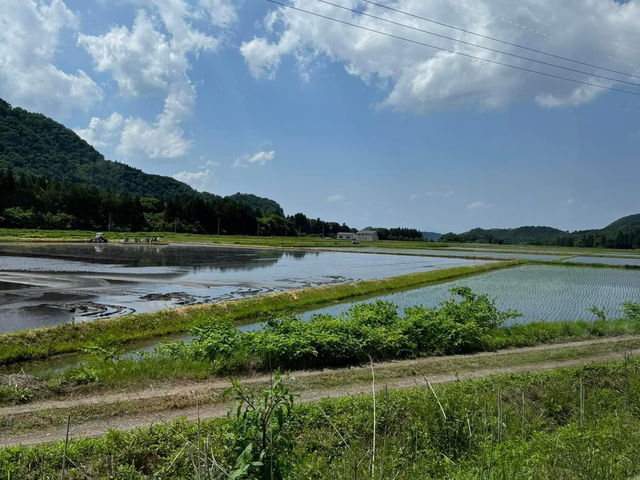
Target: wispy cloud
259 158
570 201
198 180
335 198
475 206
413 196
446 194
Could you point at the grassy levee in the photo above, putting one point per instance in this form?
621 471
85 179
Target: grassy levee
47 341
569 423
37 235
25 235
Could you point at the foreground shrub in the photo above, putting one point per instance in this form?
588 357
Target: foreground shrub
374 330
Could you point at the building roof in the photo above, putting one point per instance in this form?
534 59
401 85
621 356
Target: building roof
368 232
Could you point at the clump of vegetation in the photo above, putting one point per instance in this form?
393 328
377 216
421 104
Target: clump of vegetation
632 311
366 331
258 437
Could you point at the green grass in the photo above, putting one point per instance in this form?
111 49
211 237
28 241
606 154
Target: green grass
454 432
16 235
47 341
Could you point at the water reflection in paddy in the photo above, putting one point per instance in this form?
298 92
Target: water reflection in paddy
87 281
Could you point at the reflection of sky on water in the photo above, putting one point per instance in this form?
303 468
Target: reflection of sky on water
96 281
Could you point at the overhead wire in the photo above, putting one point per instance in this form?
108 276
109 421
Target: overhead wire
504 42
424 44
515 55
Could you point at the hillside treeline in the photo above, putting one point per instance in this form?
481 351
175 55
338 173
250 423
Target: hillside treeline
29 201
399 234
622 234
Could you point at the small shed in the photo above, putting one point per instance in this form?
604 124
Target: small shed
367 236
346 236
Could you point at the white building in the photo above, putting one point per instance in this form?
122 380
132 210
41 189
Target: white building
367 236
346 236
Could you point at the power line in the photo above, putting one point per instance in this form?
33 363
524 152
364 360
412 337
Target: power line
521 57
496 62
488 37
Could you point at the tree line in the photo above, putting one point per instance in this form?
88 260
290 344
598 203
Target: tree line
29 201
627 237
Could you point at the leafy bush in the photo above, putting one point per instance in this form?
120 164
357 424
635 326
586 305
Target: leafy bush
367 330
82 375
11 394
257 433
632 310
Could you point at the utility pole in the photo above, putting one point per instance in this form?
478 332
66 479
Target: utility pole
218 225
109 222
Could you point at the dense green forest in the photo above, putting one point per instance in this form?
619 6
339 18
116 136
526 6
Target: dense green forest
29 201
51 178
264 205
623 233
398 233
32 143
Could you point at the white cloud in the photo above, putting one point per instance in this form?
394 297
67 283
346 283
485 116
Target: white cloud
221 12
335 198
445 194
140 60
413 196
475 206
101 133
29 37
259 158
165 137
153 58
418 79
570 201
198 180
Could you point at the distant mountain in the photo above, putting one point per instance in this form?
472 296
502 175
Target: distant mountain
35 144
433 236
630 222
512 236
623 233
264 205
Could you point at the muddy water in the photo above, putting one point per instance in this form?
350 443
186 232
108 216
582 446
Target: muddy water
49 284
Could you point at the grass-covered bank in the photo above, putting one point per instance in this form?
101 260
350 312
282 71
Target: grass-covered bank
567 423
38 235
468 323
48 341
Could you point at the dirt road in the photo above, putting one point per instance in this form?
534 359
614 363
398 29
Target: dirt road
45 421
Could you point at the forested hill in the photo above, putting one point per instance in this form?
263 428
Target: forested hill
35 144
529 234
264 205
623 233
630 222
51 178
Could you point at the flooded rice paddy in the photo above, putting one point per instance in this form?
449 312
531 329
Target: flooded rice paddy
49 284
539 292
492 254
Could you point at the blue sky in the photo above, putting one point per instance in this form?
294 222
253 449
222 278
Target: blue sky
339 123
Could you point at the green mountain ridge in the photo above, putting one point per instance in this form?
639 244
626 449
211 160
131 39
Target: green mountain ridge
31 143
622 233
